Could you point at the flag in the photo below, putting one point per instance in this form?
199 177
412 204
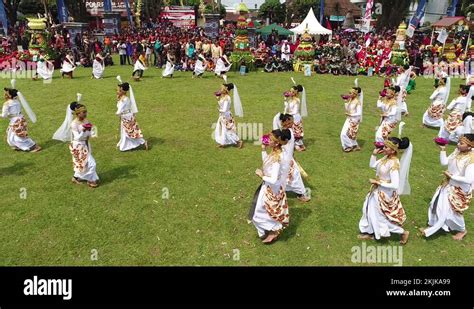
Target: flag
62 12
452 8
321 11
442 36
129 13
107 5
367 17
3 17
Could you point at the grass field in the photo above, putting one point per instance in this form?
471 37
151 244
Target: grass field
126 221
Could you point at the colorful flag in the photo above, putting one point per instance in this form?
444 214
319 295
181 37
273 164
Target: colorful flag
62 12
452 8
107 5
3 17
321 11
367 17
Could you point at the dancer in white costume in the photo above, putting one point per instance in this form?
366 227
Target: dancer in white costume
17 131
131 136
296 172
453 196
383 213
98 67
269 209
353 107
44 69
457 107
222 66
388 118
68 66
292 107
226 128
433 117
77 130
139 67
169 68
199 66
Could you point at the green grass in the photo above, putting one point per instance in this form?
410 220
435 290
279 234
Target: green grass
127 221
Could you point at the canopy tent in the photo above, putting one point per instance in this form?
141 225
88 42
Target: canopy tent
267 30
310 22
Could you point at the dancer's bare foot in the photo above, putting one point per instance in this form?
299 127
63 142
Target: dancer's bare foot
356 148
92 184
272 236
240 144
36 149
220 146
460 235
365 237
75 181
404 238
422 231
303 198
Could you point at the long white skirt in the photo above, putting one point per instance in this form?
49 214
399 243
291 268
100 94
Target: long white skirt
225 132
17 134
43 71
199 68
373 221
431 122
169 69
261 219
88 172
67 67
221 67
295 181
384 130
98 70
128 123
349 132
441 215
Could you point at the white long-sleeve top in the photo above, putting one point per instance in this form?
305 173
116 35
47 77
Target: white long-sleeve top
78 133
124 106
292 107
458 105
439 94
11 108
461 167
353 108
224 104
389 111
271 169
387 171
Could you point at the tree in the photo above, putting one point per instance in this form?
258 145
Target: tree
393 12
274 10
298 9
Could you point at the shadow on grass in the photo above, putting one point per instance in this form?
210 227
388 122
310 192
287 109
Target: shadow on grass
309 141
16 169
297 215
154 141
111 175
51 142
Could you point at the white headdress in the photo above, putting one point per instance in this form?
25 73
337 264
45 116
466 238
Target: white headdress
405 161
64 132
133 103
24 103
361 98
304 109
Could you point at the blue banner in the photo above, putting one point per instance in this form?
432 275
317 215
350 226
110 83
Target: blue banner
420 12
129 13
3 17
107 5
321 11
62 12
452 8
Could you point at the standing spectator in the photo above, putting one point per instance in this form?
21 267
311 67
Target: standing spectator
122 48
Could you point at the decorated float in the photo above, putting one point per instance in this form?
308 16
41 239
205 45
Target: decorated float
304 53
399 52
241 55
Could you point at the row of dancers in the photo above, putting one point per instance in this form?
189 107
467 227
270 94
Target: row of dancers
382 213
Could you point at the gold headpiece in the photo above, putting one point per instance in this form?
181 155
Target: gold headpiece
391 145
277 139
466 141
80 110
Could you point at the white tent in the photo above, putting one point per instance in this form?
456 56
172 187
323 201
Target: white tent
310 22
